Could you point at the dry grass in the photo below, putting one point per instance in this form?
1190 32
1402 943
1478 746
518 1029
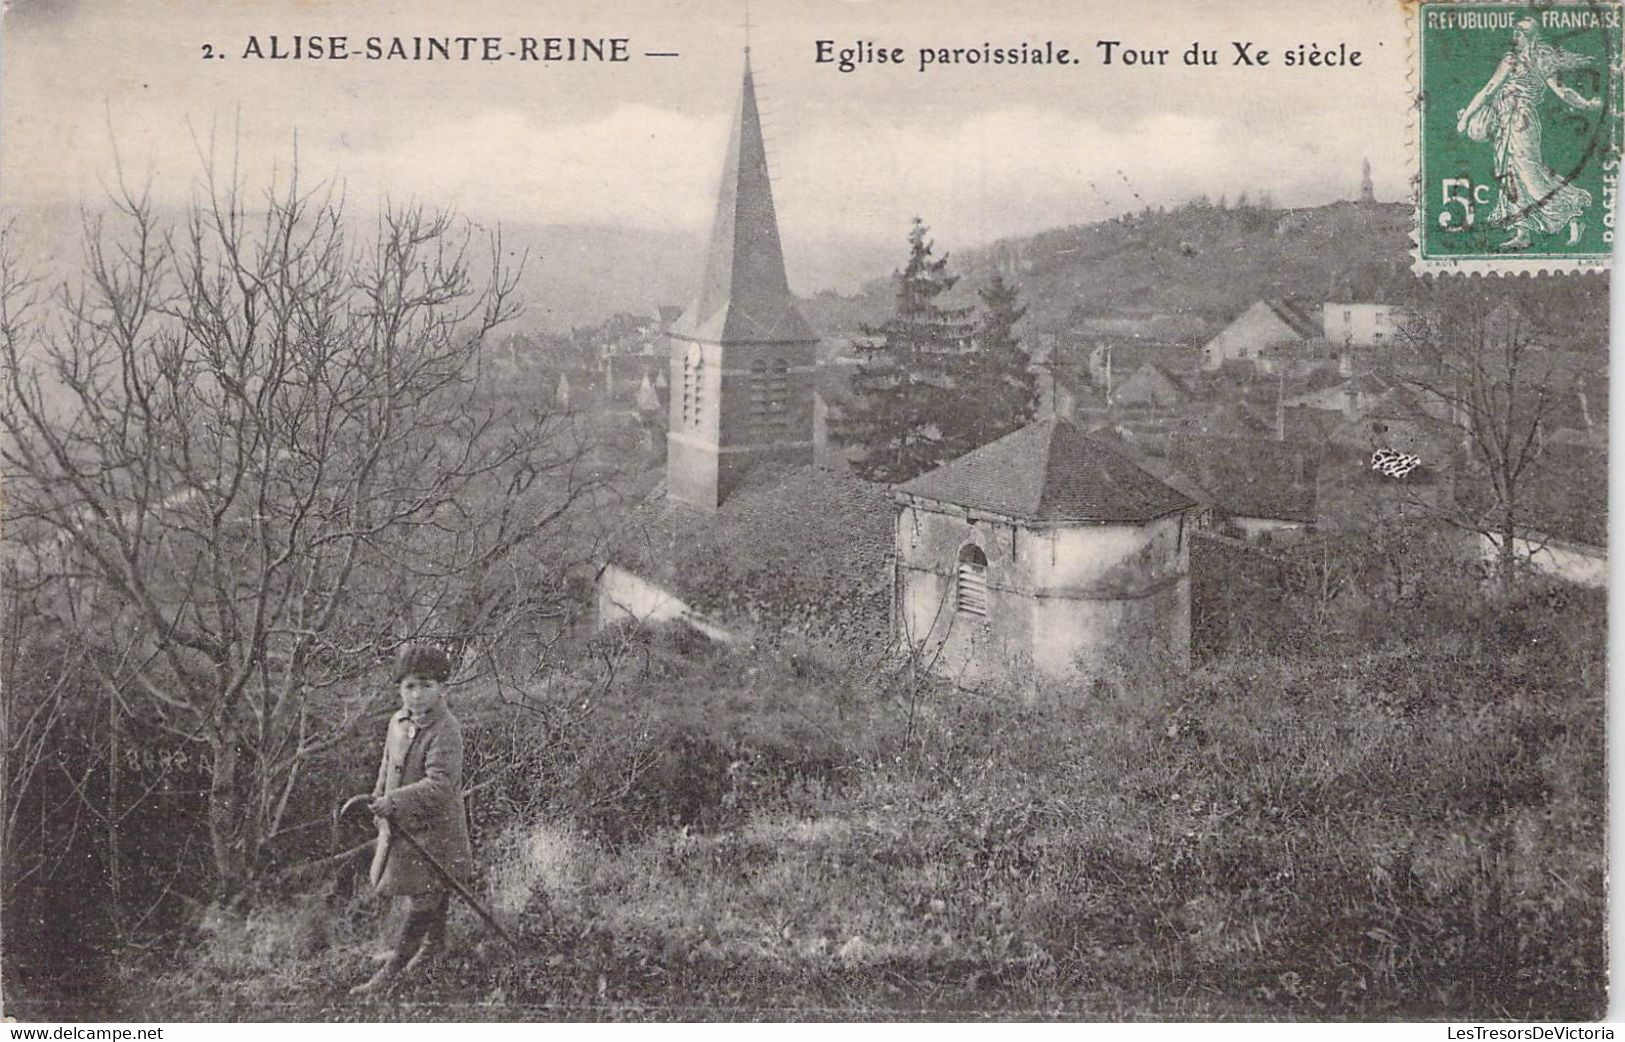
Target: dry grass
1405 826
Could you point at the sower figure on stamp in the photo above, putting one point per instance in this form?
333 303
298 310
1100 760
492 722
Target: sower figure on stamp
1534 199
420 784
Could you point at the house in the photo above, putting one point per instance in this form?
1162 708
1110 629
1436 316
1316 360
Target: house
1234 418
1042 559
1352 397
1266 324
1355 490
571 388
648 397
1400 419
1362 325
1109 363
1151 385
1257 488
635 348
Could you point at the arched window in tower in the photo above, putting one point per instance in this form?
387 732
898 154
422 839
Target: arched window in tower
769 396
970 586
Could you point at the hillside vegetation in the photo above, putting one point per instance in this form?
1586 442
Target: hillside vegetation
1381 815
1178 274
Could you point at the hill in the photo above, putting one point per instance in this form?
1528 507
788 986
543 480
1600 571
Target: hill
1175 275
573 274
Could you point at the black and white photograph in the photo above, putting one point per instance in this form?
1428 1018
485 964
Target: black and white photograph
805 511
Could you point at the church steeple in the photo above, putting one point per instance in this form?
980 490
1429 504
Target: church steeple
1368 194
742 356
745 295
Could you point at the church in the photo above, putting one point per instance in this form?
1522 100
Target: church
1035 561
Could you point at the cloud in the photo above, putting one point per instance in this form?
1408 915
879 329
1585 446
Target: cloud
979 155
1024 169
638 165
859 177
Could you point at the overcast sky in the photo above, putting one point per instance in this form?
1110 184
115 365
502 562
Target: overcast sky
980 152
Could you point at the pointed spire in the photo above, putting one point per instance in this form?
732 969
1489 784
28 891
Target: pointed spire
745 296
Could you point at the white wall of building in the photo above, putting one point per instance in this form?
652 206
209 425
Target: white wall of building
1572 562
626 597
1253 527
1064 601
1361 325
1245 338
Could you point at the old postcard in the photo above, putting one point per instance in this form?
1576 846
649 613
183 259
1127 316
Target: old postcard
844 510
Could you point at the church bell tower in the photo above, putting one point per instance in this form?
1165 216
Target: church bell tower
742 356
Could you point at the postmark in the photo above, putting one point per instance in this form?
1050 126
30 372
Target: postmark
1518 132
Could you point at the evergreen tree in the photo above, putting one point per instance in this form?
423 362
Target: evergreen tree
902 410
998 389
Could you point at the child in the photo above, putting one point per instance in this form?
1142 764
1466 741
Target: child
420 790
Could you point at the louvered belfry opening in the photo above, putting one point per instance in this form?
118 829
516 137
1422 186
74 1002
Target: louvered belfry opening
769 397
970 590
693 386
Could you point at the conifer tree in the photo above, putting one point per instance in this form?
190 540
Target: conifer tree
998 389
902 411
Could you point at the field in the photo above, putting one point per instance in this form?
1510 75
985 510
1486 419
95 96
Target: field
1401 817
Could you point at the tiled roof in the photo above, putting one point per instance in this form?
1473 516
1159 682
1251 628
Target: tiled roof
795 547
1402 403
1152 371
1250 477
1128 357
1049 471
1307 425
1295 318
1233 418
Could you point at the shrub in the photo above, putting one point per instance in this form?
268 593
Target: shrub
1405 827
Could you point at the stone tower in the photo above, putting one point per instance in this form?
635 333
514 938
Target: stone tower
742 357
1368 194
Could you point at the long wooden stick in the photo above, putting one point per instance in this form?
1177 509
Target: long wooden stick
462 891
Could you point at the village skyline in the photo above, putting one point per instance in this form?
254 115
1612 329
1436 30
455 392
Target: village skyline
1134 594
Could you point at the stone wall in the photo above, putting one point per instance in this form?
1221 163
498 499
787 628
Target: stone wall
751 403
1062 601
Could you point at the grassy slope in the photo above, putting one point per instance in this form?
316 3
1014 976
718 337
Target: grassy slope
1406 822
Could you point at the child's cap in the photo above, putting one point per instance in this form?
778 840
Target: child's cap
422 660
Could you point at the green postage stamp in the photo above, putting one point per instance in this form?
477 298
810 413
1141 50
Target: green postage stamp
1518 135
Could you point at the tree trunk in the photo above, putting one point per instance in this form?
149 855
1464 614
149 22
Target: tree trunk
1506 553
226 818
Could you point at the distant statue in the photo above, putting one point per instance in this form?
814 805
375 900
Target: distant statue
1533 198
1368 191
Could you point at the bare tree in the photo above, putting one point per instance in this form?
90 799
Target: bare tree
255 448
1481 380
